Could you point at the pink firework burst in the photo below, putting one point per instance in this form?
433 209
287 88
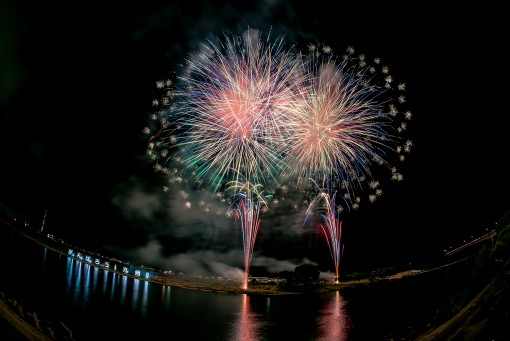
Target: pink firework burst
344 124
236 101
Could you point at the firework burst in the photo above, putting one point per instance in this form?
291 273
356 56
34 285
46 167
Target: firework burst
230 109
249 111
224 123
345 124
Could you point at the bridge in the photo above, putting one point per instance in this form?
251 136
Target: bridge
489 235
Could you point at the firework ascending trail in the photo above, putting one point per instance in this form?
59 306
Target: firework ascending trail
247 206
332 227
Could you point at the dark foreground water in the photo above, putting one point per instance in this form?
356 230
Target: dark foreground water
99 305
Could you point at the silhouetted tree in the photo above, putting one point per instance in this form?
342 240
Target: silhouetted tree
307 272
501 248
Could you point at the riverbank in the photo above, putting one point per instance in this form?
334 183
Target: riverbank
479 324
211 284
485 317
18 323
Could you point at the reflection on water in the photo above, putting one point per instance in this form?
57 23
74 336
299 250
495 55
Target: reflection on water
81 296
302 317
140 296
145 298
165 295
105 281
247 326
96 275
115 283
44 258
78 281
123 290
251 320
86 284
136 291
83 280
332 320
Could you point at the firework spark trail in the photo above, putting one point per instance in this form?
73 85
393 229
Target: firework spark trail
249 108
247 207
345 123
338 128
236 99
249 111
343 127
332 226
227 122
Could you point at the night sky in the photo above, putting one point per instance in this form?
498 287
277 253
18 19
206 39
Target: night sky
76 85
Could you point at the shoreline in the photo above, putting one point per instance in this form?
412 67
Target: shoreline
21 324
465 323
191 282
217 285
461 323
